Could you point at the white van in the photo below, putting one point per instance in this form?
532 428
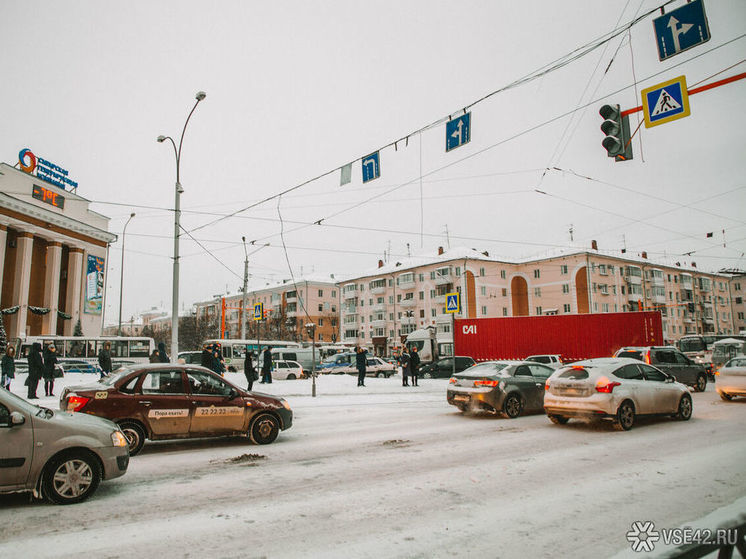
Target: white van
302 355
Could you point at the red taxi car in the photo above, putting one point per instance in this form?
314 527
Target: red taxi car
170 401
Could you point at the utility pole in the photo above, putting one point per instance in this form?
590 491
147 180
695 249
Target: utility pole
242 313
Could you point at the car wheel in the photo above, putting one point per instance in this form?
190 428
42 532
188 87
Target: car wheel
685 408
625 416
558 419
264 429
380 375
726 397
427 375
71 477
701 383
291 376
513 406
135 435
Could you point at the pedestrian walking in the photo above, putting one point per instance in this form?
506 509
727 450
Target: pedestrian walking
404 362
50 362
267 366
35 369
361 359
248 369
104 359
414 365
8 367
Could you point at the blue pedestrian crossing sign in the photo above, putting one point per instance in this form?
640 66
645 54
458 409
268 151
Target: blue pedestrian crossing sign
371 167
665 102
453 302
681 29
258 311
458 131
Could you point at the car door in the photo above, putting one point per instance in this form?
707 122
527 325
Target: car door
665 360
664 396
16 448
217 408
541 373
632 384
163 404
444 368
688 370
528 387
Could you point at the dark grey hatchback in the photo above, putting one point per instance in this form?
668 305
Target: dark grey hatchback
508 387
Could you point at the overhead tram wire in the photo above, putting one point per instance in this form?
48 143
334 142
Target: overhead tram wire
555 65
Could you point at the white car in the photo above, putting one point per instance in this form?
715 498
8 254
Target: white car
618 389
550 360
374 367
730 379
286 370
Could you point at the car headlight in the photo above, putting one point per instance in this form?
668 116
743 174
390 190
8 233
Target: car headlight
118 439
285 404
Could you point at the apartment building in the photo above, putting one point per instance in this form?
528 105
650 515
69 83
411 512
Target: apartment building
737 279
382 306
290 306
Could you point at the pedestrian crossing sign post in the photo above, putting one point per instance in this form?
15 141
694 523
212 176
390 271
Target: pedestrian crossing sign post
453 302
665 102
258 311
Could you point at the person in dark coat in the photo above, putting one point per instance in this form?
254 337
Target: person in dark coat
206 357
50 362
249 370
35 369
267 366
414 365
8 367
404 362
361 359
162 355
218 362
104 359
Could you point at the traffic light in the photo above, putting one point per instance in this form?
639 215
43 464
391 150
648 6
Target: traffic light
617 142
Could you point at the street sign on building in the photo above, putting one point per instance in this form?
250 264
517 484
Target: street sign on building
258 311
371 167
458 131
665 102
681 29
453 302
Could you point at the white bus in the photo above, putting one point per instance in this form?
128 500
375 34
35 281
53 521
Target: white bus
124 350
234 351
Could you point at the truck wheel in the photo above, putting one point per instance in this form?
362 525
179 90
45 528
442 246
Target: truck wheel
513 406
558 419
685 408
264 429
625 416
71 477
135 435
701 383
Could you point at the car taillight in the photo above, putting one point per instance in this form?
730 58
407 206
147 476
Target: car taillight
647 357
606 386
77 403
486 382
452 380
716 372
546 385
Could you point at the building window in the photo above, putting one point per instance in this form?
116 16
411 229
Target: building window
505 291
537 274
391 316
505 311
422 295
484 311
321 307
334 308
321 292
432 275
321 321
566 307
537 291
432 293
391 299
483 290
565 288
422 277
538 311
502 274
481 272
563 269
458 271
334 293
433 312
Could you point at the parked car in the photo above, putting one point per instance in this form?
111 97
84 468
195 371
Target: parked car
671 361
730 379
616 389
287 370
61 456
374 367
550 360
79 366
302 355
334 363
172 401
508 387
443 368
190 357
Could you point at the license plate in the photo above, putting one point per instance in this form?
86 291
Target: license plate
461 398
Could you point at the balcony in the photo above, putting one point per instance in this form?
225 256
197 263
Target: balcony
439 299
378 323
349 309
443 317
408 303
634 296
349 294
379 307
291 296
291 314
377 287
443 277
406 283
657 279
408 320
659 298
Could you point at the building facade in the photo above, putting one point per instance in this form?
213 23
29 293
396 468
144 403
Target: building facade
53 252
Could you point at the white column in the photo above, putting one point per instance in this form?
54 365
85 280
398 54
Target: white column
3 246
74 288
52 287
21 284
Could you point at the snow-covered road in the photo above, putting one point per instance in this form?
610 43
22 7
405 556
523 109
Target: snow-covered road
387 471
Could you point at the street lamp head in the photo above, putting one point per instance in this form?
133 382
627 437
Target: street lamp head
200 96
161 139
132 214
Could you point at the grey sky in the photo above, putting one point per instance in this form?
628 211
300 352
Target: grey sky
295 89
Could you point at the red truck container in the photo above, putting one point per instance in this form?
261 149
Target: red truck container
573 336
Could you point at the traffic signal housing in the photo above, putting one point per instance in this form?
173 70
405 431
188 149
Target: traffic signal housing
617 142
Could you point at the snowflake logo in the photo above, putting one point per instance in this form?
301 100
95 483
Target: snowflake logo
643 536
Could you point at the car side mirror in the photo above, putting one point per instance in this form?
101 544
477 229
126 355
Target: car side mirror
670 379
16 418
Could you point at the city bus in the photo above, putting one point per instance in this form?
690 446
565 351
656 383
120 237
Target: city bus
234 351
124 350
698 347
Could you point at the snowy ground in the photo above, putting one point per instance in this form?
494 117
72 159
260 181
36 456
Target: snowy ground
388 471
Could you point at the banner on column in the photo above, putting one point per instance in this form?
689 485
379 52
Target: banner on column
94 285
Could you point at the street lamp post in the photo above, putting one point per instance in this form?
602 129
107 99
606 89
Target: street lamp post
121 277
242 313
177 217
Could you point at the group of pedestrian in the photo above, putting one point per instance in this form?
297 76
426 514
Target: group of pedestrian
212 358
40 366
159 355
410 366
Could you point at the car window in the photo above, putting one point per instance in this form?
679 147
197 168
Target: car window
204 383
540 372
736 363
445 363
541 359
522 371
4 416
162 382
129 386
629 372
372 363
282 365
653 374
681 359
574 373
631 353
290 356
667 357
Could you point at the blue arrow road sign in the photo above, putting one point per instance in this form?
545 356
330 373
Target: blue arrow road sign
258 311
458 131
681 29
665 102
371 167
453 303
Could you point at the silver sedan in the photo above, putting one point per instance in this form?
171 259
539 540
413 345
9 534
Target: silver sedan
617 389
730 379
